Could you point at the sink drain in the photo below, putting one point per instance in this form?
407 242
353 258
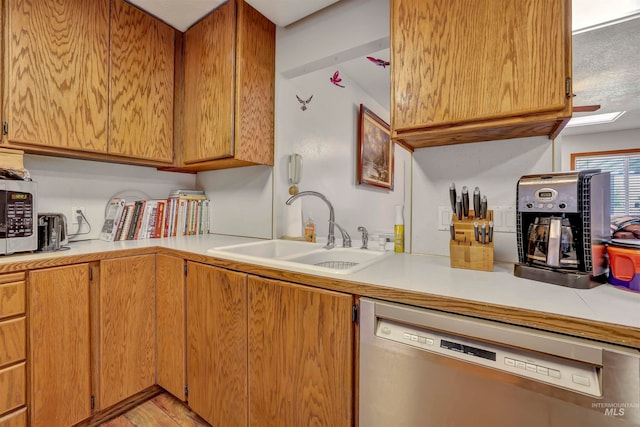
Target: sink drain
337 265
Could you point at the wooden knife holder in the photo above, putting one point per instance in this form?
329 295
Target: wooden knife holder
464 251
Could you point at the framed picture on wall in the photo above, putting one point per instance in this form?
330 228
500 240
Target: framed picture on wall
375 151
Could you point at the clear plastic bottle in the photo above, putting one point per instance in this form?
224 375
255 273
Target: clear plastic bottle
310 230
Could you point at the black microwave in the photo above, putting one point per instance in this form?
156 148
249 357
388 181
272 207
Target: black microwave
18 226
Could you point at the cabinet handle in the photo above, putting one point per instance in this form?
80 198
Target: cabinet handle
567 87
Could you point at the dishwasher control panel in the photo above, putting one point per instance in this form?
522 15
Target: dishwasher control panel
568 374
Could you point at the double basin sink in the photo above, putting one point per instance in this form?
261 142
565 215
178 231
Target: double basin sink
312 257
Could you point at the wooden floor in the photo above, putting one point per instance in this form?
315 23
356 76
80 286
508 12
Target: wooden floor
163 411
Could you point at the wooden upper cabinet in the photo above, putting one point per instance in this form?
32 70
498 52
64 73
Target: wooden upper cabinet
56 63
89 79
141 89
209 87
229 90
476 70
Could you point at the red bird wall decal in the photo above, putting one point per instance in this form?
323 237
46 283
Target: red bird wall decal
336 79
380 62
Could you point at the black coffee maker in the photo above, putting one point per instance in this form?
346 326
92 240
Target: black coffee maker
563 223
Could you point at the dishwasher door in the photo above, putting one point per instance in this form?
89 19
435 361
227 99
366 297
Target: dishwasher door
422 367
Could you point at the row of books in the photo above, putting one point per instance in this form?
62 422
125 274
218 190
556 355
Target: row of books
184 212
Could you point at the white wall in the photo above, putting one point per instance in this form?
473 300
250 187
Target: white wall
493 166
242 200
585 143
343 31
64 183
326 137
248 201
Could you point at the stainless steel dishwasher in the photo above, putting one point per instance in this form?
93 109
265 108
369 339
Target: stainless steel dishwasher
423 367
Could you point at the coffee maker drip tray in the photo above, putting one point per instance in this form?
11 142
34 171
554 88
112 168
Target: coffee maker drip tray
569 278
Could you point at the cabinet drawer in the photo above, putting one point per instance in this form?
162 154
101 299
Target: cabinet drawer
12 295
12 341
15 419
12 387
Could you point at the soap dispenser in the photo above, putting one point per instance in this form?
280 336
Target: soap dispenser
310 230
398 230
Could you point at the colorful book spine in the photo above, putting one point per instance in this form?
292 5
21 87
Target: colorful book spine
135 220
160 217
130 208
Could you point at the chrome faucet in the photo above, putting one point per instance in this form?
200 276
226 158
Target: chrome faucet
346 239
331 238
365 236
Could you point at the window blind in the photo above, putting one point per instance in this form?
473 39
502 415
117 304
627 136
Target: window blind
625 180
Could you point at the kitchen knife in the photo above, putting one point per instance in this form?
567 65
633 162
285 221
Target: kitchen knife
452 230
452 196
459 208
465 201
476 202
483 233
490 231
483 208
476 231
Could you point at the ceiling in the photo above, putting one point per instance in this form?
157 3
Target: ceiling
181 14
606 72
606 61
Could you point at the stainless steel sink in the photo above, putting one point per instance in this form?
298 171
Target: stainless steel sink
302 256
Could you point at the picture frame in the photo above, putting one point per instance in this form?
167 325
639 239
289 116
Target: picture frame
375 151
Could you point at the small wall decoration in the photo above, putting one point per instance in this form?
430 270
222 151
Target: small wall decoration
375 151
336 79
379 62
304 103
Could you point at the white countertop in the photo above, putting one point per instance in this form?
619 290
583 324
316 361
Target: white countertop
425 274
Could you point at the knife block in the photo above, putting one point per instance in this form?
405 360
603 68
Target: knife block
464 251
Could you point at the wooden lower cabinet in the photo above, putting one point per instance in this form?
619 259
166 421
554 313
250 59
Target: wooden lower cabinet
12 294
301 362
60 345
268 353
15 419
126 317
217 344
171 331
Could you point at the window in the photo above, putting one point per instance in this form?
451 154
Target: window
624 166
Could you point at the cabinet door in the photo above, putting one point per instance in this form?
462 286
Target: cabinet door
126 319
57 73
141 89
209 86
60 346
466 61
255 86
217 344
171 327
300 355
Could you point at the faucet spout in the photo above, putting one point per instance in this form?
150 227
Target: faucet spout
331 238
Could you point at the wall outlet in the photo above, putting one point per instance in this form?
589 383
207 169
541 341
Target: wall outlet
74 214
388 237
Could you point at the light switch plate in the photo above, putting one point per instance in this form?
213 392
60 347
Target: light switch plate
504 219
444 217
